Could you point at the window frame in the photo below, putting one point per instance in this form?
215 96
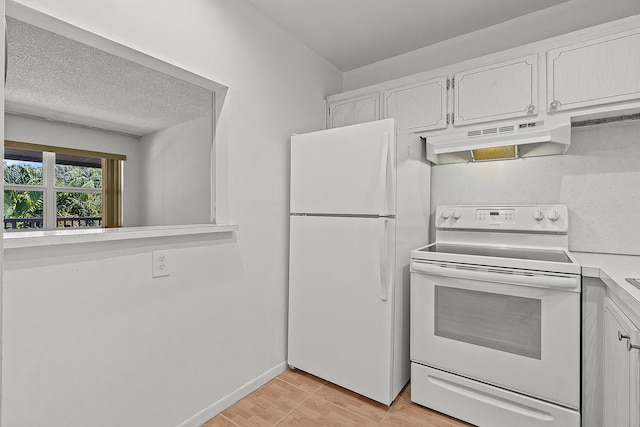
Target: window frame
111 189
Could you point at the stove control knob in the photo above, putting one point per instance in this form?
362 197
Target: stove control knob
553 215
456 214
538 215
445 214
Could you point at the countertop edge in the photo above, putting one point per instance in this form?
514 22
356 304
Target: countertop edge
613 270
27 239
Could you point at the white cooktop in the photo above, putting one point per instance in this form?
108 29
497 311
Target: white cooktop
525 237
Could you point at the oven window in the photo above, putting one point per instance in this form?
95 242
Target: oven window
502 322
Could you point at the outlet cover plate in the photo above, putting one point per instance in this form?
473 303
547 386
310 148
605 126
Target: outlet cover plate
159 264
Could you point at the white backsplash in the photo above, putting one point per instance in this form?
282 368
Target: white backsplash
598 179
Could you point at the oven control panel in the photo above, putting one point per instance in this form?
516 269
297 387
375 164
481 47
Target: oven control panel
495 215
541 218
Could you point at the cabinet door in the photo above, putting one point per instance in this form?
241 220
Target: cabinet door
355 110
621 368
500 91
595 72
616 372
418 107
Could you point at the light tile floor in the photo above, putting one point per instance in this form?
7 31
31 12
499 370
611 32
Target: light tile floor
296 398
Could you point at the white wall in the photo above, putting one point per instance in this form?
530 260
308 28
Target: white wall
92 340
48 133
89 339
175 174
598 179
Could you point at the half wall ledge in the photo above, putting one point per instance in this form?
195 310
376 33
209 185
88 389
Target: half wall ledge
26 239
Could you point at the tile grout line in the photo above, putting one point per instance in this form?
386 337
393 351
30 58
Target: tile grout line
386 415
300 388
324 384
284 381
324 400
295 407
228 419
347 409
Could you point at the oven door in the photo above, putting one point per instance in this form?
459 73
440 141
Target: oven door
513 329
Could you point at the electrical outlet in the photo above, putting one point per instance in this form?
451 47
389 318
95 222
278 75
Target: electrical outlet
159 264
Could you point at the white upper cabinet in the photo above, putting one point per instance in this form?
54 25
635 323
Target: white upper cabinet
351 111
504 90
594 72
419 106
589 73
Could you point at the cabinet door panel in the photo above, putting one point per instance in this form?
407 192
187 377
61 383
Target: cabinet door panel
496 92
621 397
596 72
634 381
356 110
616 378
418 107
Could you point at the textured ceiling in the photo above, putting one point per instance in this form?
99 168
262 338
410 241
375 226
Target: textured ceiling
60 79
353 33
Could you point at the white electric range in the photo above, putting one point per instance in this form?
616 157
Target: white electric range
495 317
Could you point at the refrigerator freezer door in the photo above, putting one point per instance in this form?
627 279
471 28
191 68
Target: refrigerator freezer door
340 308
347 170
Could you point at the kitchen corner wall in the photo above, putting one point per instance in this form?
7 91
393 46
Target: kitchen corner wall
598 179
175 170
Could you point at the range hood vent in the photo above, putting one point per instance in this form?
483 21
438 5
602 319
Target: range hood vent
506 141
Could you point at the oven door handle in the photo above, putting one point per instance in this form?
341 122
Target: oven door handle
539 281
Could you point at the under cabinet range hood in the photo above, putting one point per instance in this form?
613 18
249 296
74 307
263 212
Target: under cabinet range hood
499 142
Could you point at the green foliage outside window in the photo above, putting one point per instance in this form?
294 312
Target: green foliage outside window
29 204
78 176
23 204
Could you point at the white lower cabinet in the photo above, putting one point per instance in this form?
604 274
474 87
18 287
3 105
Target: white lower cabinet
621 394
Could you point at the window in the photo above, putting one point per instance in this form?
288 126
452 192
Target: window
48 187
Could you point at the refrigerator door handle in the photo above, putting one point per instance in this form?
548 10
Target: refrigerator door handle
384 284
384 169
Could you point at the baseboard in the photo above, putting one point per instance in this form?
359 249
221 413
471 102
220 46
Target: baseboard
206 414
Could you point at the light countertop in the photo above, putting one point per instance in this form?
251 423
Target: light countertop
613 270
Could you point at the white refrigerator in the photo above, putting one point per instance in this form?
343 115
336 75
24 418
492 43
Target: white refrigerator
359 204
